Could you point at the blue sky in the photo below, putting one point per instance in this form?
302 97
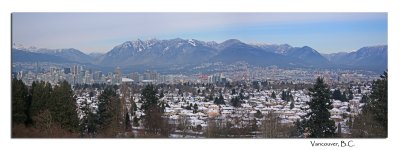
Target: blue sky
100 32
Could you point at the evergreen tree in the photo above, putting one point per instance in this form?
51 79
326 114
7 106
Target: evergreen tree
372 122
88 124
152 110
210 98
135 121
241 96
235 102
273 95
300 128
292 104
63 107
283 96
364 99
162 94
41 97
128 126
107 108
20 104
351 95
195 107
337 95
92 120
258 114
133 106
318 123
216 101
344 97
219 100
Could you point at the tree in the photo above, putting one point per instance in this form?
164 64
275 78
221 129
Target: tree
348 108
20 103
273 95
195 107
153 120
372 122
108 112
92 120
351 95
235 102
241 96
41 97
318 123
63 107
292 104
162 94
233 92
337 95
300 128
133 106
258 114
219 100
283 96
135 121
344 97
364 99
128 126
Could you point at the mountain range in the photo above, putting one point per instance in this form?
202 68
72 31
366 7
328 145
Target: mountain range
190 52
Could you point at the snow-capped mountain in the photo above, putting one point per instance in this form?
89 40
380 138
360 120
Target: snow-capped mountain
69 54
178 52
371 57
306 54
276 48
158 52
24 55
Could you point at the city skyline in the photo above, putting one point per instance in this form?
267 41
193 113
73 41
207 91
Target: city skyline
100 32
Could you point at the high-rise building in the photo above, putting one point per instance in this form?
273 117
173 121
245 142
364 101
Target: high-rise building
67 70
118 76
75 70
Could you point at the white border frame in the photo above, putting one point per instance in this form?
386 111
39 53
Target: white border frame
9 6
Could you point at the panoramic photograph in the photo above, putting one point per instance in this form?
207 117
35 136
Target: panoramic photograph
199 75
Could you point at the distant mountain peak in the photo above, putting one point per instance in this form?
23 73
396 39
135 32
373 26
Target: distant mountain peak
185 52
126 44
232 41
192 42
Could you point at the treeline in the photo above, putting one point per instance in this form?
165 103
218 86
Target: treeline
43 110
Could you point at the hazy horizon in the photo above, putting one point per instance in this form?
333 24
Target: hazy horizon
100 32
